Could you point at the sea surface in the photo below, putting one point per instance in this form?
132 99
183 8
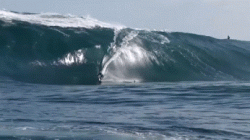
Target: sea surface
128 111
66 77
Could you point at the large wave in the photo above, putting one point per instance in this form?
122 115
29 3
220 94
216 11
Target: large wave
66 49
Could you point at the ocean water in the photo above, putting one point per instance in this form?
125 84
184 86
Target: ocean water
156 85
130 111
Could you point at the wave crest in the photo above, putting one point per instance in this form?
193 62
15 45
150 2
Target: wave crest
54 19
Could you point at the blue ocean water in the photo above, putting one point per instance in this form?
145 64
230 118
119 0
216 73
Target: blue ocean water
139 111
156 85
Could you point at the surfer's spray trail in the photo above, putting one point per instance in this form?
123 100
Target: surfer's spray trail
59 49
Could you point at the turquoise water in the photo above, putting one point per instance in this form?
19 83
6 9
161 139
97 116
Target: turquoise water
160 111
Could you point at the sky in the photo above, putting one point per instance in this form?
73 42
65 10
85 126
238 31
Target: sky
216 18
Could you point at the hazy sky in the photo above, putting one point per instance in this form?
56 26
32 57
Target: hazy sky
216 18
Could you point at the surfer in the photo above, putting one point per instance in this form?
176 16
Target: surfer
228 37
100 76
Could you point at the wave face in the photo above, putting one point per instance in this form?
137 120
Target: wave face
59 49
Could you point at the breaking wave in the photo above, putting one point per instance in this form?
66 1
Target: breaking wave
67 49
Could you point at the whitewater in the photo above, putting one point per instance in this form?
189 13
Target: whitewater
155 85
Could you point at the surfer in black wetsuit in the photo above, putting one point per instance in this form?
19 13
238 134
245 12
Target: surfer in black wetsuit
228 37
100 76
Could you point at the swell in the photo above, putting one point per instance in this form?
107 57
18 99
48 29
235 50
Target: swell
161 56
52 55
44 50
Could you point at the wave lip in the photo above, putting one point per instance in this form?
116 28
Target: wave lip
54 19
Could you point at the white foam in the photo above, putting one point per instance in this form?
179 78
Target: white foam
76 57
129 55
54 19
106 60
26 128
